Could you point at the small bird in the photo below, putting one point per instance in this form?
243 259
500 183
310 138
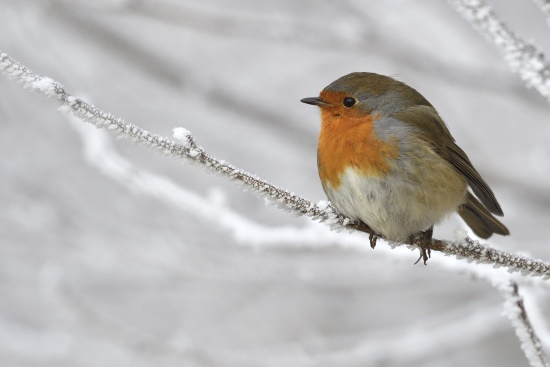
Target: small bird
386 158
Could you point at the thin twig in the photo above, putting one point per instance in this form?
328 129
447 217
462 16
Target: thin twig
192 153
523 57
514 310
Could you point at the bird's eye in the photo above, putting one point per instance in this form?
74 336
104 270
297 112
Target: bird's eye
349 102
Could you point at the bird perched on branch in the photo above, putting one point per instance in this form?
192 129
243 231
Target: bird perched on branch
386 158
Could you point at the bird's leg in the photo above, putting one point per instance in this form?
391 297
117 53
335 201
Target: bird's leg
425 238
373 238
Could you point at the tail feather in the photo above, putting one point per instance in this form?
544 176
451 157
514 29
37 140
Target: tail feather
480 220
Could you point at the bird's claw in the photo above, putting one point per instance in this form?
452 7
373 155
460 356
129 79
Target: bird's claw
425 241
373 238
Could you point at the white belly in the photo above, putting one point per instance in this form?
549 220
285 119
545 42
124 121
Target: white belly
402 203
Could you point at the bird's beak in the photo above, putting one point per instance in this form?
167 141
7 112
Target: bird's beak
316 101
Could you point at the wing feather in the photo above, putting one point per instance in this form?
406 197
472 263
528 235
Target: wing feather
432 128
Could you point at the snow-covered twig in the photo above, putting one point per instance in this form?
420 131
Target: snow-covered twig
523 57
514 310
189 151
102 155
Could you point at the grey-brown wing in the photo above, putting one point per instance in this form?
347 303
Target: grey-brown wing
478 218
460 160
433 129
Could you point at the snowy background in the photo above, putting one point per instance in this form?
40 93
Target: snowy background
113 255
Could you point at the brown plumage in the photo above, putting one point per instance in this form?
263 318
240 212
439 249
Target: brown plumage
386 157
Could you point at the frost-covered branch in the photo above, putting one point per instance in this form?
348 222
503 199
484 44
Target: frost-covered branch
514 310
101 154
192 153
523 57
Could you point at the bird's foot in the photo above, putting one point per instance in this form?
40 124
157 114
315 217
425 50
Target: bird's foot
373 238
425 241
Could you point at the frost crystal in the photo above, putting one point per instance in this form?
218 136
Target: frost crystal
322 205
45 85
182 134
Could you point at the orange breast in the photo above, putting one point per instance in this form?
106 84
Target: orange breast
350 142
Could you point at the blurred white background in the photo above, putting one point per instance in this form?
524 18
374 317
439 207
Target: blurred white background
95 272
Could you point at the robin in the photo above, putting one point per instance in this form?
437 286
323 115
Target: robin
386 158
